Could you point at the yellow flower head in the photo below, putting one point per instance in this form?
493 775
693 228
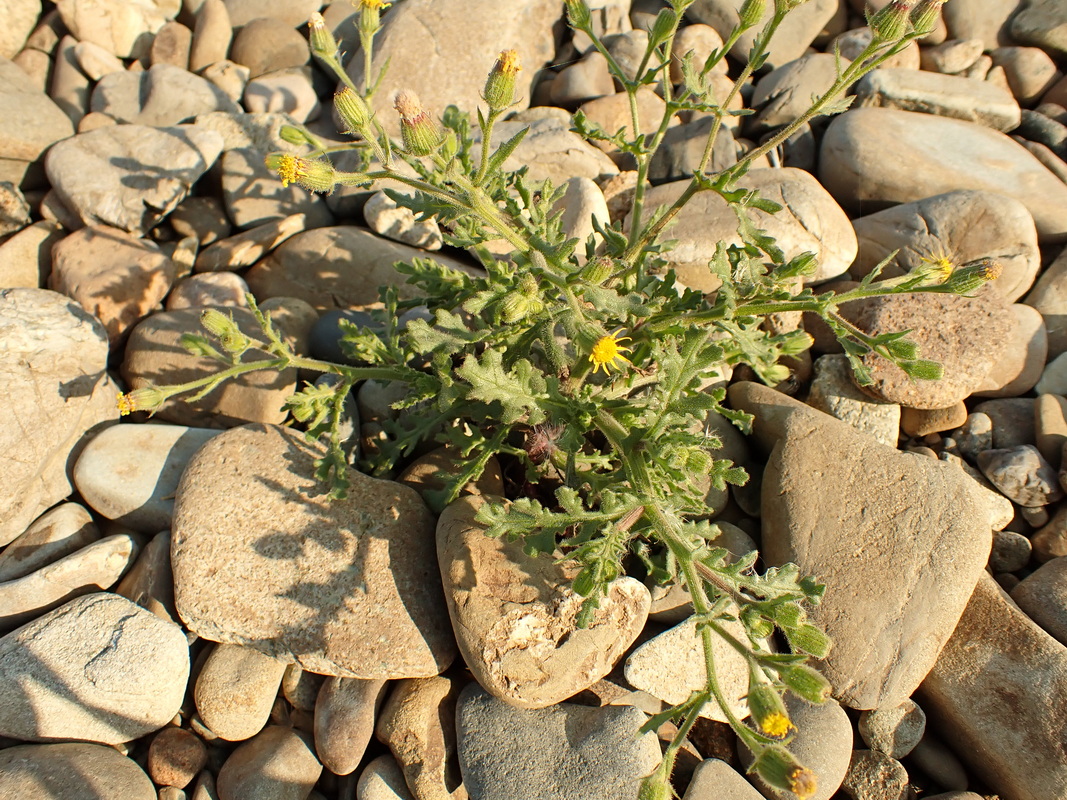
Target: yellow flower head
607 351
373 5
776 725
147 399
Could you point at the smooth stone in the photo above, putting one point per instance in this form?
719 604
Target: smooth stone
176 757
952 57
160 96
57 390
28 134
149 583
71 771
202 218
247 247
833 392
26 257
70 87
612 112
1021 474
810 221
98 668
382 779
255 196
344 721
1029 71
1050 426
418 723
287 90
395 222
963 226
336 267
714 779
980 19
117 277
1041 23
1049 296
943 95
853 42
1051 540
291 12
429 472
921 422
37 66
1012 418
1054 377
129 176
887 631
277 764
212 35
515 615
583 207
586 79
551 151
171 46
785 93
56 533
439 30
1043 596
991 686
257 132
301 688
292 588
974 435
873 157
230 77
823 743
966 335
1021 368
235 691
565 750
213 289
671 667
20 18
119 26
1011 552
96 567
155 357
893 731
682 149
875 776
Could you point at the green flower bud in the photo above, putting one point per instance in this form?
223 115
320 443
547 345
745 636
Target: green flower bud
809 639
315 175
500 85
321 40
971 277
807 683
779 768
767 709
293 135
598 270
420 133
925 15
222 327
795 343
514 308
353 110
752 12
528 284
370 15
903 349
662 27
891 22
758 625
578 15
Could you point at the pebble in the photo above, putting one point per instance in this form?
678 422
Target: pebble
176 757
382 779
921 422
213 289
39 124
287 90
886 632
584 80
277 764
236 689
875 776
290 12
565 750
884 155
96 62
395 222
57 533
1030 71
1011 552
853 42
154 356
784 93
290 588
515 615
822 743
203 218
894 731
418 723
160 96
20 18
1049 296
88 167
244 249
70 87
1043 596
974 435
71 770
714 779
120 27
149 582
932 757
56 390
230 77
95 567
344 721
308 266
211 36
98 669
1021 368
1012 418
1054 377
552 152
833 391
953 56
1021 475
301 688
1051 541
990 687
171 46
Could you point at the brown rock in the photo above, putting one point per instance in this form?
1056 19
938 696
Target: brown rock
175 757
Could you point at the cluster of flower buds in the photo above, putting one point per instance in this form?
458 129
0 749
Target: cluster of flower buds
903 17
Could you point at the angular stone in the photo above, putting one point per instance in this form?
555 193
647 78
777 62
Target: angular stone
714 779
893 731
129 176
566 750
515 616
1043 596
439 30
991 687
1022 475
834 392
342 587
58 532
56 391
68 771
874 157
99 669
20 17
38 125
891 600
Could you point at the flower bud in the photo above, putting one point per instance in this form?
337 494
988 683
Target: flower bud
891 22
752 12
809 639
805 682
767 709
971 277
294 135
795 343
514 307
370 15
420 133
225 330
778 767
903 349
500 85
578 15
924 16
662 26
353 110
313 174
147 399
598 270
322 42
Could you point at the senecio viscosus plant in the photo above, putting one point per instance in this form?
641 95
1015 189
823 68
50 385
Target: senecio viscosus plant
584 361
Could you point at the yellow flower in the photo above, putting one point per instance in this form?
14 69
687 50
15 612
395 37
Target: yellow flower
373 5
607 351
147 399
776 725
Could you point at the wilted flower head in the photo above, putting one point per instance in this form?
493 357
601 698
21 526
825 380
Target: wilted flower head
419 131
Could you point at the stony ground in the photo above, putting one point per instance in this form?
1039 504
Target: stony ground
229 634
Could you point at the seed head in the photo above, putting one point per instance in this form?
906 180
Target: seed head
420 133
322 42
